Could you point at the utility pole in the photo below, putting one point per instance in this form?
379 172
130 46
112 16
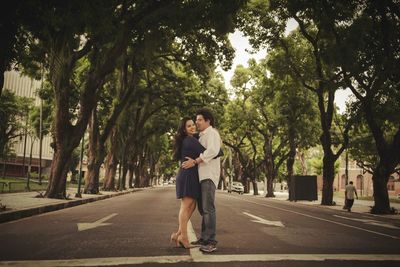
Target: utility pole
41 130
40 140
347 166
25 137
30 165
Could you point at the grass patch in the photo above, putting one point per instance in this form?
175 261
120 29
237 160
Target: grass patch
12 185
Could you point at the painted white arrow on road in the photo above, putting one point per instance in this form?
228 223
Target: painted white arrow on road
370 222
264 221
98 223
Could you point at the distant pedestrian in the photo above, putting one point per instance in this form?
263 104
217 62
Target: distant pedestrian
350 191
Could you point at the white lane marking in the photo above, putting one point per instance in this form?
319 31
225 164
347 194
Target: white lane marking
204 258
98 261
317 218
98 223
194 252
264 221
298 257
370 222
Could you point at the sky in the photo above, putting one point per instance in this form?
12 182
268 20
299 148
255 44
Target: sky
243 48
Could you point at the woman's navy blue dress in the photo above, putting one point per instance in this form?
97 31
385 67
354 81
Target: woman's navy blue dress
187 180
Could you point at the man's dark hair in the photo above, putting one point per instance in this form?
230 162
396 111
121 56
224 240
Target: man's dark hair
207 115
351 182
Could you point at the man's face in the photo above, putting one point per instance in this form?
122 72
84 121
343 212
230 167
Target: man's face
201 123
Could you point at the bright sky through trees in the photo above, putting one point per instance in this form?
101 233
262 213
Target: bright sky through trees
243 54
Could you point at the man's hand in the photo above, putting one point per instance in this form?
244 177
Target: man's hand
188 163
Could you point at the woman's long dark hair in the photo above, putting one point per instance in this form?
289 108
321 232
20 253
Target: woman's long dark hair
179 136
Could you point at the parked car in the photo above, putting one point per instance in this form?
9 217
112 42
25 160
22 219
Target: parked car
236 187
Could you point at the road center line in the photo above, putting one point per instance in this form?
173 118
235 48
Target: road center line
318 218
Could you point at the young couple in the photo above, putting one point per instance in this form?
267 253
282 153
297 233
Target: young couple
198 178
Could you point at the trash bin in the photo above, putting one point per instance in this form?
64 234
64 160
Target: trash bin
303 187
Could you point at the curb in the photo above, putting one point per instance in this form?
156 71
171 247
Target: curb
12 215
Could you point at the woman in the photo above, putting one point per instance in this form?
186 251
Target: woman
187 180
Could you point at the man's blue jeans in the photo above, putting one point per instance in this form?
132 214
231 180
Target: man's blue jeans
206 207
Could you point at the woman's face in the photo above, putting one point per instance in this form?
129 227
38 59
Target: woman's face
190 127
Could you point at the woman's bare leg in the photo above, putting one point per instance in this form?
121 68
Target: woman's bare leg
185 212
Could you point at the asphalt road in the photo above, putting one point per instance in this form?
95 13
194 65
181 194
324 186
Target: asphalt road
134 229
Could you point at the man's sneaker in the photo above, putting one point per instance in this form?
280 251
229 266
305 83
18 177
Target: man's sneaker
208 248
199 242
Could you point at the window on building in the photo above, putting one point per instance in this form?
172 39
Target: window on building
390 184
359 182
343 181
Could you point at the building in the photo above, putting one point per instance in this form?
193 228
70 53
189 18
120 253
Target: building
18 167
362 180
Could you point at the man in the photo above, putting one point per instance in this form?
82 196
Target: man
350 190
209 173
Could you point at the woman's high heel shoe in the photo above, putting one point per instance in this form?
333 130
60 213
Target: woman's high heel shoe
174 239
184 243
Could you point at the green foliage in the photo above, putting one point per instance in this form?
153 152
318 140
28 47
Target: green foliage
14 111
317 166
270 107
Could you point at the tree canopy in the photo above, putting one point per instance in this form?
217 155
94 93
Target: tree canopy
125 72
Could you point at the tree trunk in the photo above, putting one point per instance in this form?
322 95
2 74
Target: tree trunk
222 178
58 173
124 174
66 136
144 178
328 177
381 197
290 161
270 187
111 162
246 183
2 73
152 168
380 179
269 168
255 187
92 176
131 175
237 167
326 115
389 159
303 163
96 157
8 28
137 171
111 170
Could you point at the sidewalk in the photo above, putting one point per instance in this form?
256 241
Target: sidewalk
360 206
25 204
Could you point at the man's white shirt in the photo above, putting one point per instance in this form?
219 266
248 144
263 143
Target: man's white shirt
210 168
350 190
